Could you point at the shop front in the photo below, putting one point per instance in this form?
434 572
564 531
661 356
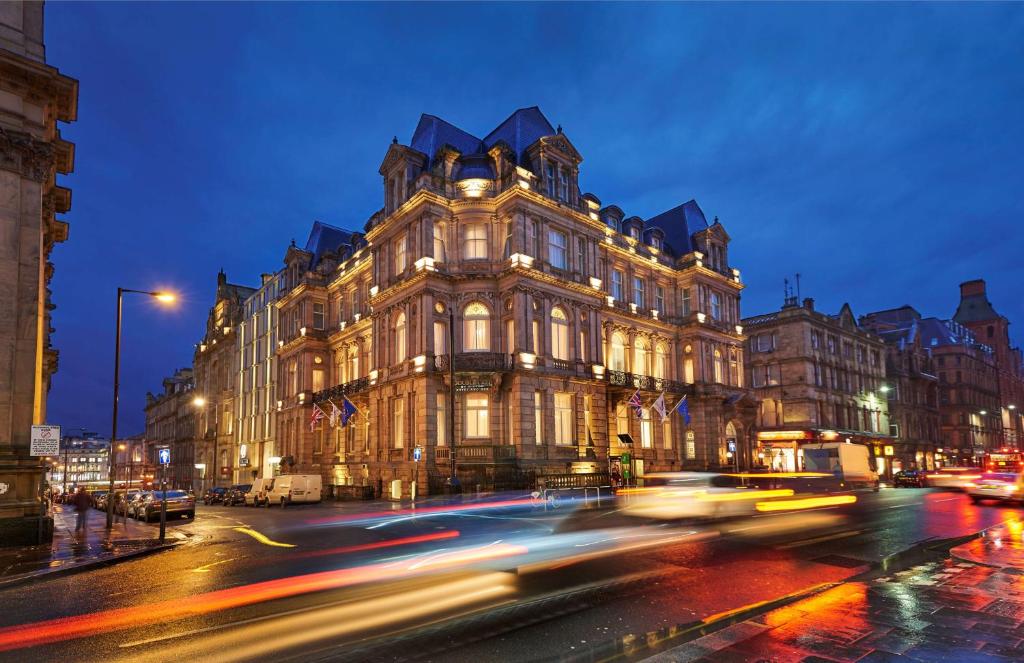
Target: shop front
779 451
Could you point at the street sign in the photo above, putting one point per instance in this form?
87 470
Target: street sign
417 454
45 441
165 456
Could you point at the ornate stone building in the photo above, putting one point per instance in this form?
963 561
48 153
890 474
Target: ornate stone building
215 365
34 96
977 314
499 319
911 387
819 379
171 424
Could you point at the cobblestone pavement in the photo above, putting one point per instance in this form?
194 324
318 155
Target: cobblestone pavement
950 611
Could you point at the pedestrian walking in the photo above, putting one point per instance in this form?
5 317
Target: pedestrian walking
81 503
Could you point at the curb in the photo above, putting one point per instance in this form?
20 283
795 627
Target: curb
63 571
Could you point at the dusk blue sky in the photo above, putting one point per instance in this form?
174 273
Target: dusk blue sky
874 148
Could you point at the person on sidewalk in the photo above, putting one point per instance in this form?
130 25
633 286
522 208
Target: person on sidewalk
81 503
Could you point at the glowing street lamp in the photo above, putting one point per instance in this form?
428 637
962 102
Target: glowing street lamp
165 298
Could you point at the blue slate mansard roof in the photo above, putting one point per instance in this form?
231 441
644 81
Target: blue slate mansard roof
325 237
432 133
520 130
679 224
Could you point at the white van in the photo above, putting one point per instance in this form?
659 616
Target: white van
294 489
257 494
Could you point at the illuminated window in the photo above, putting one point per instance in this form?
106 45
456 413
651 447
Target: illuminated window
618 358
398 423
641 357
400 338
442 420
660 361
719 367
557 253
476 415
559 334
399 247
440 339
538 417
646 428
563 419
318 379
476 328
666 433
476 242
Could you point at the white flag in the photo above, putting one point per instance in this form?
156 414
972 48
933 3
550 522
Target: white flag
335 413
659 406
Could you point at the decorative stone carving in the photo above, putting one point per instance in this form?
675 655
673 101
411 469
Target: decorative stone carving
33 158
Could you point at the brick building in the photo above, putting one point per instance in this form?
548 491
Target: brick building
34 97
977 314
911 387
560 309
968 392
818 378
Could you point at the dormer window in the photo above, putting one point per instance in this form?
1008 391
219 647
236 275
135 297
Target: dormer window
656 243
612 222
634 232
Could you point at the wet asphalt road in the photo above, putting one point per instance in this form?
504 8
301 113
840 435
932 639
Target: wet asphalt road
232 548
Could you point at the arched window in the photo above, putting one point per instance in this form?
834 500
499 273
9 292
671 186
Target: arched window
476 328
660 361
559 334
641 357
618 358
400 339
719 367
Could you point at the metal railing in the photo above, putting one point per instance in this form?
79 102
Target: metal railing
476 361
339 390
648 383
485 453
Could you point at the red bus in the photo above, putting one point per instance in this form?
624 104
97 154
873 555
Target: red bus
1004 460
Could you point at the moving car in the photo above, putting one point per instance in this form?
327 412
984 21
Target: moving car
179 503
257 493
684 495
236 494
999 486
908 478
952 478
294 489
214 495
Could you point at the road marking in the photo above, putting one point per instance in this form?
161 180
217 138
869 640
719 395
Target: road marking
262 538
820 539
206 567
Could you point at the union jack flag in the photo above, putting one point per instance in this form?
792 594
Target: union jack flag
318 414
637 404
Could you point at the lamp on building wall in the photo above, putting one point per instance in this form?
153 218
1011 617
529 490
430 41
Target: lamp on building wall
164 298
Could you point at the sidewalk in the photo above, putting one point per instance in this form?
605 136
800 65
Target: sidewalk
68 552
964 609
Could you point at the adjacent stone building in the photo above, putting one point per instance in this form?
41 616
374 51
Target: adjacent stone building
977 314
911 387
818 378
499 319
171 424
34 96
215 366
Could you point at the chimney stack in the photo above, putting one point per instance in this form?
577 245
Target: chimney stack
809 303
972 288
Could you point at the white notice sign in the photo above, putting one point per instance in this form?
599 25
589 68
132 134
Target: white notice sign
45 441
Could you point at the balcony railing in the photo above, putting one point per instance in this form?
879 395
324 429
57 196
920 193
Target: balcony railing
339 390
476 361
647 383
561 365
485 454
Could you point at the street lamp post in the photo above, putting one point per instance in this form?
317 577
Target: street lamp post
163 297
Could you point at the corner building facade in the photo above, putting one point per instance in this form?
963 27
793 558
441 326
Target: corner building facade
499 319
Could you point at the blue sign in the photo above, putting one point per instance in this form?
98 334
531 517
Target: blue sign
165 456
417 454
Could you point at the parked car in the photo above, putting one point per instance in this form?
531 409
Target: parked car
94 497
121 499
135 506
257 493
214 495
294 489
127 505
236 494
908 478
179 503
101 501
999 486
